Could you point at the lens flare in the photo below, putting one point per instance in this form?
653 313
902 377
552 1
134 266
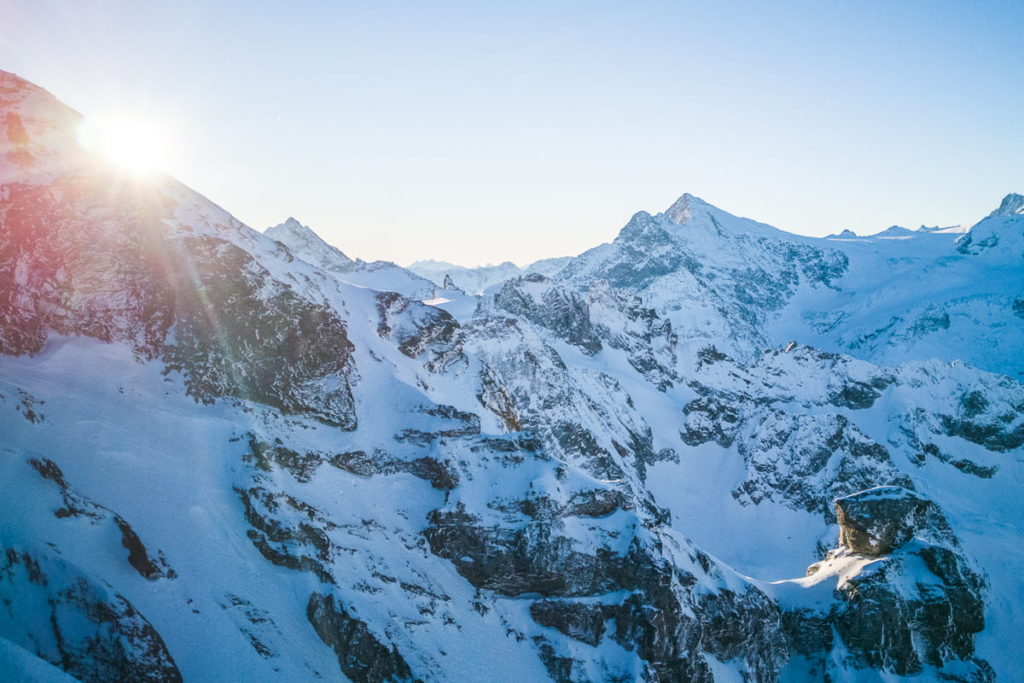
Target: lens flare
135 145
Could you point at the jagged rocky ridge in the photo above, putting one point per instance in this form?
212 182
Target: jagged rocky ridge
318 479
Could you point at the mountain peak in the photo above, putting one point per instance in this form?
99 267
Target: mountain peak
304 241
1012 205
846 233
292 225
894 231
682 209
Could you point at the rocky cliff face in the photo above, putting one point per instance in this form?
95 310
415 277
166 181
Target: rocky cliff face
230 460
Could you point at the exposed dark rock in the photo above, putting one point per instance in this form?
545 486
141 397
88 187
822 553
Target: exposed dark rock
660 618
708 355
532 559
288 532
643 243
808 632
439 473
709 418
556 511
808 460
76 505
554 308
726 624
887 629
137 555
561 669
856 395
79 277
577 441
239 333
965 465
917 606
974 469
1018 308
122 276
969 245
414 327
976 422
458 423
623 322
363 658
582 621
879 520
301 465
596 503
500 401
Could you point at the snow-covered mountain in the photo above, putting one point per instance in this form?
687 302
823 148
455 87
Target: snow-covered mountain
476 280
896 296
380 275
709 450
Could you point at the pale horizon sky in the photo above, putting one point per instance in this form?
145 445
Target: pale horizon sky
484 132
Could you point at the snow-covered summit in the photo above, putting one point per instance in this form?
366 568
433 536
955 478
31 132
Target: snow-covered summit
695 213
302 240
385 276
715 274
999 237
895 232
682 209
1012 204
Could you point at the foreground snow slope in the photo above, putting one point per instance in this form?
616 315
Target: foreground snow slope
236 455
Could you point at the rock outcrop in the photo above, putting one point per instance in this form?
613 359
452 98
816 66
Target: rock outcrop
880 520
907 599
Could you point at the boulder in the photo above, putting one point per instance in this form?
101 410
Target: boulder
881 519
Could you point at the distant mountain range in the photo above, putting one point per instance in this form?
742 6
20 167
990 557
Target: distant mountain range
476 280
707 450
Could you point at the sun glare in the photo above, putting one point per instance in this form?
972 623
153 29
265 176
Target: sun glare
135 145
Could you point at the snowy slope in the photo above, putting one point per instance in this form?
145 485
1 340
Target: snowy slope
934 294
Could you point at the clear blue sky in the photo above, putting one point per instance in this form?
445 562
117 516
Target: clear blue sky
480 131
